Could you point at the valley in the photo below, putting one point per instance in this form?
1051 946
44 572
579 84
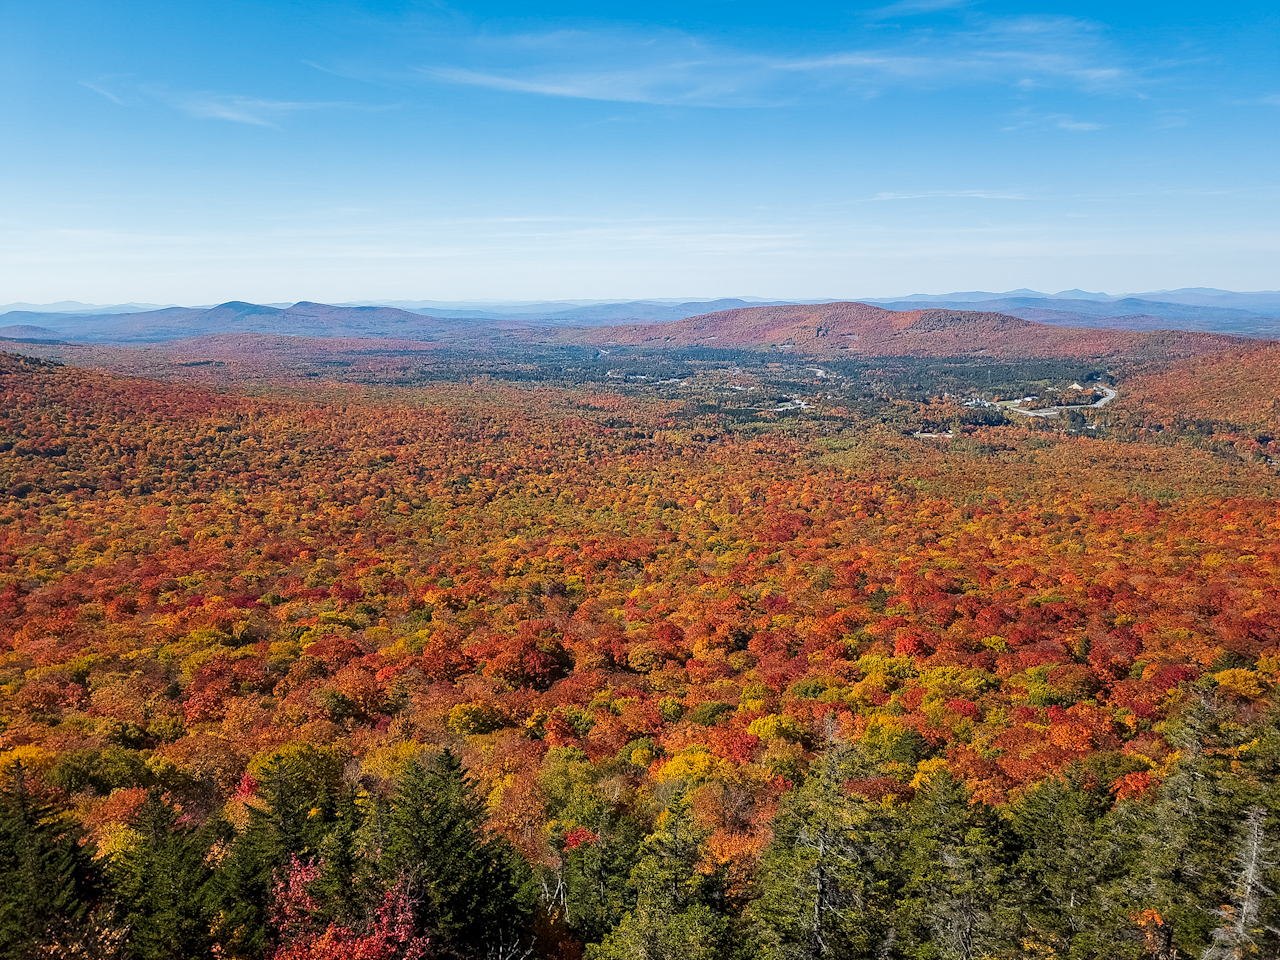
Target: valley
631 606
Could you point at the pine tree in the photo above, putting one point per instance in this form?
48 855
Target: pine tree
594 875
678 912
1238 937
1250 913
347 885
49 882
598 847
1177 873
1064 863
164 885
472 891
291 820
955 865
827 880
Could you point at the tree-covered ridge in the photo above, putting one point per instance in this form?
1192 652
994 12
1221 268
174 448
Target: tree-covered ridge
834 329
694 676
1224 399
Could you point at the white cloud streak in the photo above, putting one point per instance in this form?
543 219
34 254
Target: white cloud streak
103 91
909 8
672 87
1027 119
252 111
671 68
249 110
951 195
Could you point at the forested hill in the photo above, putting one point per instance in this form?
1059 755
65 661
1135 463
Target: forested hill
836 329
1236 392
490 669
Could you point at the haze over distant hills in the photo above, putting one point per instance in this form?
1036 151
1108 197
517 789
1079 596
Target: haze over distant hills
1194 309
572 312
380 318
303 319
76 307
1264 302
823 330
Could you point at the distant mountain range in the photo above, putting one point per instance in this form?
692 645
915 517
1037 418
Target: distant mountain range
574 311
180 323
76 307
544 311
1263 302
823 330
1248 314
308 319
1194 309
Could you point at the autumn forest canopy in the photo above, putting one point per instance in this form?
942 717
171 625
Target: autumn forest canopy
795 633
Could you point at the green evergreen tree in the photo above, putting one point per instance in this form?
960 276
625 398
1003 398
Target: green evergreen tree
596 878
348 882
827 880
49 882
678 912
1176 845
1243 929
955 865
589 890
472 892
164 885
1262 768
292 820
1065 862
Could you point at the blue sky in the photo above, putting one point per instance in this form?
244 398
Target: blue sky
196 152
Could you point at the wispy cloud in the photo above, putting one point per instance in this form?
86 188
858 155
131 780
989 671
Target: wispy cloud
591 87
1066 123
665 69
862 64
674 68
909 8
253 111
666 88
250 110
103 91
1026 118
954 195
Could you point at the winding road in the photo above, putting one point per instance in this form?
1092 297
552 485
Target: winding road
1108 395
